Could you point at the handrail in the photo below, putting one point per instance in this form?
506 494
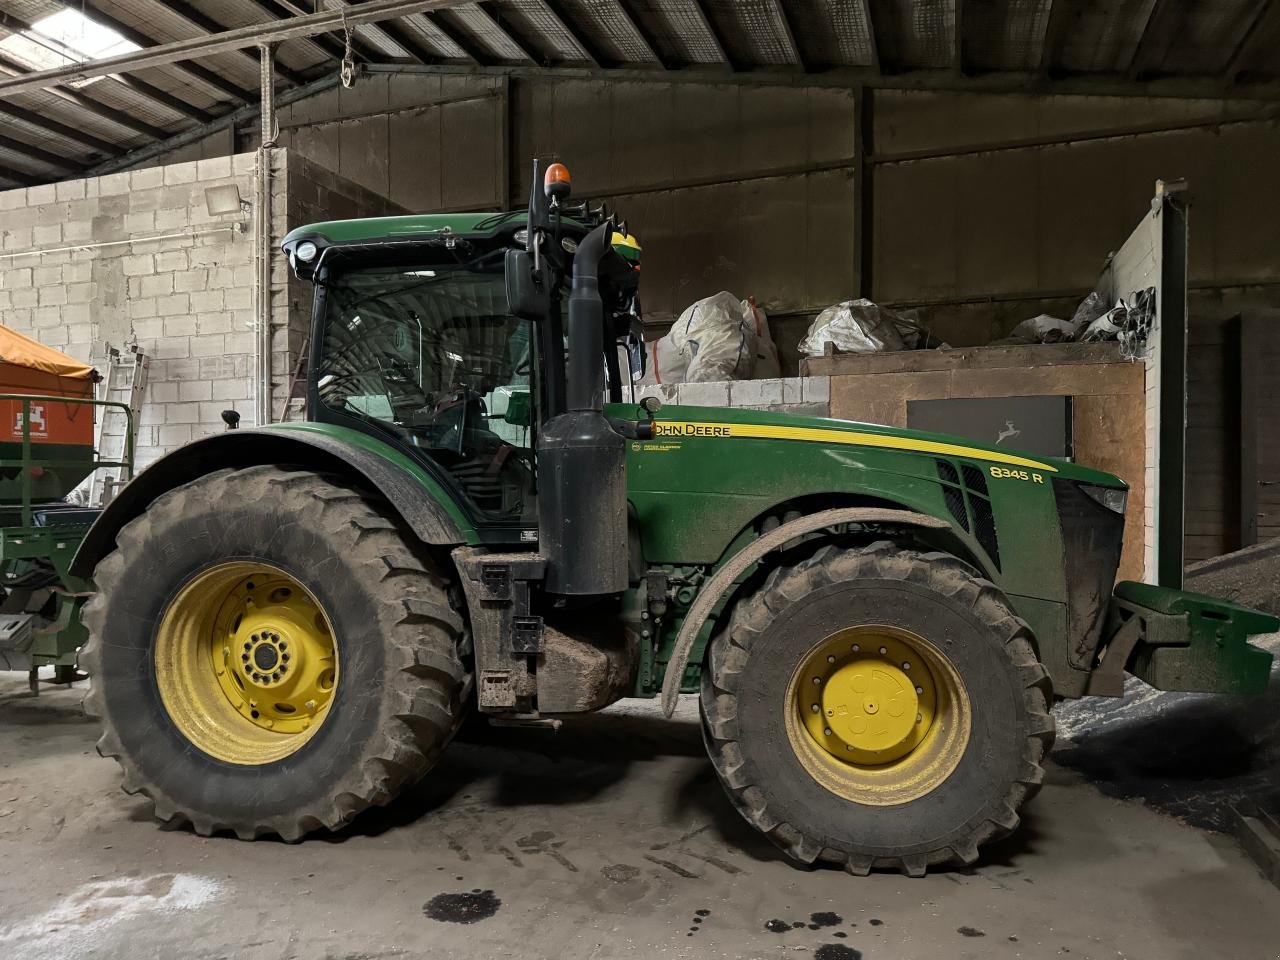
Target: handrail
27 461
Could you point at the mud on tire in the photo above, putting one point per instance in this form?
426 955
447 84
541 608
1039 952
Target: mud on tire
770 631
397 630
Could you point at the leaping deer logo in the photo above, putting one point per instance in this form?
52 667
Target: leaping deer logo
1009 431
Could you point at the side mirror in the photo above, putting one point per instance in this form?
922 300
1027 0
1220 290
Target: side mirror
637 358
527 298
519 412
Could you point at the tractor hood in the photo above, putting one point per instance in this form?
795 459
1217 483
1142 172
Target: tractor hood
674 423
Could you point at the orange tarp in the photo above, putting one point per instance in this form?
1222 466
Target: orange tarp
31 368
25 352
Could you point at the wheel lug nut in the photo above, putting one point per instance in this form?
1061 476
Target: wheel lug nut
276 675
284 657
905 665
884 650
857 647
919 689
248 646
919 718
244 657
827 732
815 708
817 679
831 659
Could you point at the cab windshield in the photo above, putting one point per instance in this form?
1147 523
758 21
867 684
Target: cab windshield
431 353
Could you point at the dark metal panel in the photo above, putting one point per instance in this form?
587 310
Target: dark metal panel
245 60
612 31
548 29
480 21
299 55
1256 56
414 166
1192 39
1004 34
833 32
508 36
915 34
754 32
680 27
473 180
47 124
215 75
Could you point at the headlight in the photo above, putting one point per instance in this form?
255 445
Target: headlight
1110 498
306 251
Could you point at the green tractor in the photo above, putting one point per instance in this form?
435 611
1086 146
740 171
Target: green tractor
292 622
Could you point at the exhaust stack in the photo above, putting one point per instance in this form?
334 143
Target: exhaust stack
582 500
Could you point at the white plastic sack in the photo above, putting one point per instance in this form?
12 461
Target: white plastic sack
854 326
717 338
1043 329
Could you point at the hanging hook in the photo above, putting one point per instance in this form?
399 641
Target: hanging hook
348 68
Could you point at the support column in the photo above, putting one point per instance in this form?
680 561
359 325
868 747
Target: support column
864 192
263 223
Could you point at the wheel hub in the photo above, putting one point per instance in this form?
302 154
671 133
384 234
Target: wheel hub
868 698
285 670
871 706
246 662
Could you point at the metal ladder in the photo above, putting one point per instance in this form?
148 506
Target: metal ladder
124 380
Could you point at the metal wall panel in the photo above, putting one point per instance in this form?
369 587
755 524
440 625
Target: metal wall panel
1040 219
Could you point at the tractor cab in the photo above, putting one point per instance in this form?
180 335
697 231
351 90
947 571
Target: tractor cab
444 336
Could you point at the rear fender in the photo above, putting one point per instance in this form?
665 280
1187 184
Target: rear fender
409 490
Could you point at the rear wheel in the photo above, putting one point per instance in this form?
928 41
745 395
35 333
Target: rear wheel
877 707
271 653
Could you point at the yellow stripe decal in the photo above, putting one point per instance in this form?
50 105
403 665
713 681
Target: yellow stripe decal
680 428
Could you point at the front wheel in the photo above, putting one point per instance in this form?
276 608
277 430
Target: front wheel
877 707
271 653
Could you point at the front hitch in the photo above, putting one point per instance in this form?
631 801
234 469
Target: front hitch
1178 640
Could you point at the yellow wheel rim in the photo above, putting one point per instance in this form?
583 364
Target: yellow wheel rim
877 715
246 663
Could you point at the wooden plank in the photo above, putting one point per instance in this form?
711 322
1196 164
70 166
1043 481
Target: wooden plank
986 358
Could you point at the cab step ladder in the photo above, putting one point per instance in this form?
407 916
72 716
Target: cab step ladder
124 380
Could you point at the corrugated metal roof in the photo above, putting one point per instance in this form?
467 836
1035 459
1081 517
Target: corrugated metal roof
1005 34
1212 43
612 28
681 28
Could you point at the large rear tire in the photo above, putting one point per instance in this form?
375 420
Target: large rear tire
877 707
271 653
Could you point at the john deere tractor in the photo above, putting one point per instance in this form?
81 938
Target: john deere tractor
292 622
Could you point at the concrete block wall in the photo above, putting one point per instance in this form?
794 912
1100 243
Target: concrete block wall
136 255
809 396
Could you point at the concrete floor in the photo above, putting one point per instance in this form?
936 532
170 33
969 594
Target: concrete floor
608 839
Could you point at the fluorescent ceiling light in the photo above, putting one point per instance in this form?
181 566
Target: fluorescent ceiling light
64 38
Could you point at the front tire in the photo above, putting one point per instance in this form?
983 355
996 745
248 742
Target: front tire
271 653
877 707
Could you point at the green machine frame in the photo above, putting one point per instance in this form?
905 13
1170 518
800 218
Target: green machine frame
39 549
